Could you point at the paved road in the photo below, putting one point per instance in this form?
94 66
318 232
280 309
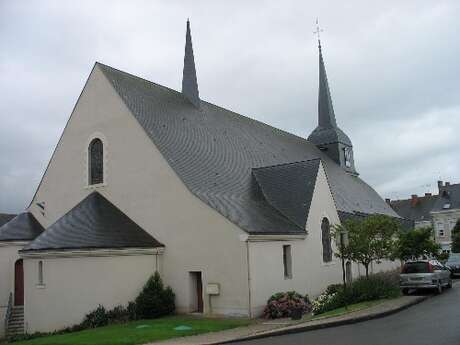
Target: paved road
433 322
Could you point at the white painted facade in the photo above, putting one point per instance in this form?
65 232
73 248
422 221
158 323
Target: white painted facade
443 223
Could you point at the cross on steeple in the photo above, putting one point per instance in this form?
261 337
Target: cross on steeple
318 31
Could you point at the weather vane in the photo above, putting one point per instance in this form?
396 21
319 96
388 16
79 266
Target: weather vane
318 30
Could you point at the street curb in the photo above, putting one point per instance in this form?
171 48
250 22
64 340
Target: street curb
292 329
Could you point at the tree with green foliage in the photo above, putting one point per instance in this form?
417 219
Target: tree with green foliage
367 240
155 300
456 238
416 244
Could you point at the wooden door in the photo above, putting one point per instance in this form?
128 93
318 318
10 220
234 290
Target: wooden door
199 292
19 283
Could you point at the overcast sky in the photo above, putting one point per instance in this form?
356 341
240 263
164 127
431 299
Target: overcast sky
393 69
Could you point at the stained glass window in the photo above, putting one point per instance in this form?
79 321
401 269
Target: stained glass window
96 162
326 238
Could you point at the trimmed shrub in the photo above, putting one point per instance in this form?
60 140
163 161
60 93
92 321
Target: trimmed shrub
283 304
155 300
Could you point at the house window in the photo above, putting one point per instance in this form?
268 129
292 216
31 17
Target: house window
96 162
441 232
326 239
287 261
40 272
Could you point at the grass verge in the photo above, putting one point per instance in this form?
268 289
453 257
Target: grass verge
140 332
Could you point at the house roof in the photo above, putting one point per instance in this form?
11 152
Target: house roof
94 223
214 152
415 209
449 198
23 227
6 217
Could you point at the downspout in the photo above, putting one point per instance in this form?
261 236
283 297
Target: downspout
249 280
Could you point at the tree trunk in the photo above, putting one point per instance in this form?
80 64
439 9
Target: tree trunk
367 270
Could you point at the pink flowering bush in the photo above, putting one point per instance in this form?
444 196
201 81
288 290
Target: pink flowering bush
283 304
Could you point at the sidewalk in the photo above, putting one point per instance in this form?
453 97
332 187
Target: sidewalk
266 328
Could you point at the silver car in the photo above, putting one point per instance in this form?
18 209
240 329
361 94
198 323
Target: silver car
424 274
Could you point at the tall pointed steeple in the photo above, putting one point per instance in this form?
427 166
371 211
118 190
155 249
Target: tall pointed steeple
189 81
326 116
327 135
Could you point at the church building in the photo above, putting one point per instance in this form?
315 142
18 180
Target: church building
144 178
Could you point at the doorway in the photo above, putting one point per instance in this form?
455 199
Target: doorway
19 283
196 293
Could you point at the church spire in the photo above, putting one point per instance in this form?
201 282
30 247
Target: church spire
327 136
189 81
326 116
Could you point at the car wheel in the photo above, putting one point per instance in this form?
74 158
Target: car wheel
439 288
449 285
405 292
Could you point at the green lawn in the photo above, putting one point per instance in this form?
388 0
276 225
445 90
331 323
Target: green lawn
349 309
139 332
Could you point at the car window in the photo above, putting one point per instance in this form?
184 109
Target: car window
416 267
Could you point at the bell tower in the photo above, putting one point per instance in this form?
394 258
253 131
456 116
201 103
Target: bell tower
327 136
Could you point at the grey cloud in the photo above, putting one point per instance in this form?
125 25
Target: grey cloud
392 68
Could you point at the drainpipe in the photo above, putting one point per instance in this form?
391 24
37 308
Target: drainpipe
249 279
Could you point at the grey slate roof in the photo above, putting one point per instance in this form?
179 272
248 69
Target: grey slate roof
94 223
6 217
23 227
406 224
214 151
289 188
419 211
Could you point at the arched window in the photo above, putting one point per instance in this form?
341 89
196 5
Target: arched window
326 238
40 272
96 162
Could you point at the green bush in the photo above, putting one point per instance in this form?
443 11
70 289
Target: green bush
155 300
96 318
376 286
283 304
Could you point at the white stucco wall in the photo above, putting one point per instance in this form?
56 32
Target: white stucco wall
141 183
75 286
8 256
309 274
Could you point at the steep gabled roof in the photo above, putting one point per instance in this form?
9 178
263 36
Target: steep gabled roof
289 188
23 227
214 151
94 223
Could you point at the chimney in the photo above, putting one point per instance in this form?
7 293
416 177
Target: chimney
439 184
447 184
388 201
427 194
414 200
